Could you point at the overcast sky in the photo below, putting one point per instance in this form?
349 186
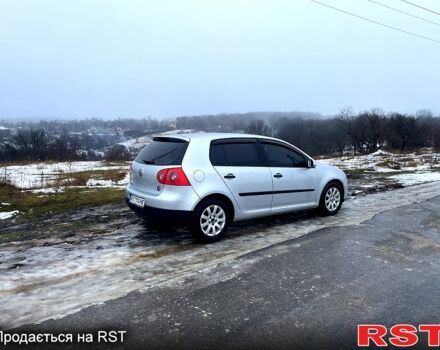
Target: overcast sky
136 58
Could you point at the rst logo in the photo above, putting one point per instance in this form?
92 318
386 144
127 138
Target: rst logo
399 335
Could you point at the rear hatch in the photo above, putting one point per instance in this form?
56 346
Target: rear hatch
161 153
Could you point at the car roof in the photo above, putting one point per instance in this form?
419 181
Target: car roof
209 136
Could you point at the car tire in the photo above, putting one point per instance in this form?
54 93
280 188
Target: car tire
210 221
331 199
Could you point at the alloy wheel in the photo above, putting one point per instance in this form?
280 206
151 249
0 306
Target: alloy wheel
212 220
332 199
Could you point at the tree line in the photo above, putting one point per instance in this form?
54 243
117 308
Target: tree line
361 133
37 144
345 133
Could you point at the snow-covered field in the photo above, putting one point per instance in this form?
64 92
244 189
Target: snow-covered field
381 167
374 172
41 177
407 169
383 162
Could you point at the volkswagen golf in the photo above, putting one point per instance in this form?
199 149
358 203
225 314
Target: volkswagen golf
209 180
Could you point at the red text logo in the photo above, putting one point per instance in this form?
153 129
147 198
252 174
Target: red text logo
399 335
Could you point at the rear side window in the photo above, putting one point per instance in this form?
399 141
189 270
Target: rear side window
218 156
163 151
283 157
235 154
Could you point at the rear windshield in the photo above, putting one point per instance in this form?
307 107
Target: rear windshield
163 151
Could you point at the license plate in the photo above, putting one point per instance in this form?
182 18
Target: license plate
137 201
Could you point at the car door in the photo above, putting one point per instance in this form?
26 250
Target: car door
241 166
294 183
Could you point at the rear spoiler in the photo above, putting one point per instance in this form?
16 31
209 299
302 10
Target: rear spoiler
168 139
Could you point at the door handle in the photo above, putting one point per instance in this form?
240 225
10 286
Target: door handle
278 175
229 176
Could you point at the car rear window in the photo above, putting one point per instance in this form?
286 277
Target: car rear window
235 154
163 151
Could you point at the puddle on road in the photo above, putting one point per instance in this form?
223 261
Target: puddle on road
41 279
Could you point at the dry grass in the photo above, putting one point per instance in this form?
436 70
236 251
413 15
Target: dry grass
32 204
406 159
80 178
390 164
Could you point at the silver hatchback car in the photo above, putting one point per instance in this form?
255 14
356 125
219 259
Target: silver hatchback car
209 180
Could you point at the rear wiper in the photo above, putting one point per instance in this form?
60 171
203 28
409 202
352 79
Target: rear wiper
149 161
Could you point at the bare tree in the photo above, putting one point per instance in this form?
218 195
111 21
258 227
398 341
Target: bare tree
436 139
31 143
117 152
258 127
402 128
374 134
347 119
338 136
294 131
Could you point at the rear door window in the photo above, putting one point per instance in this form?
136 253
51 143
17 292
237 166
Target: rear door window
218 156
236 154
163 151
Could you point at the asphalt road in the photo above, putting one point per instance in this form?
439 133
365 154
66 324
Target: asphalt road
309 292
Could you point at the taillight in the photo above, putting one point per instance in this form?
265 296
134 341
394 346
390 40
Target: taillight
172 176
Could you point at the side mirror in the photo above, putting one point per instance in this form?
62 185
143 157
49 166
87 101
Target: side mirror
310 163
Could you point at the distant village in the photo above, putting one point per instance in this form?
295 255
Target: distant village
120 139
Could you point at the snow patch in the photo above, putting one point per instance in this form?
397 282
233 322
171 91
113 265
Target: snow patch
136 144
47 190
416 178
101 183
8 214
380 152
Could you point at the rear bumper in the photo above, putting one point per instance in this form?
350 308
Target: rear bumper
165 216
180 198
